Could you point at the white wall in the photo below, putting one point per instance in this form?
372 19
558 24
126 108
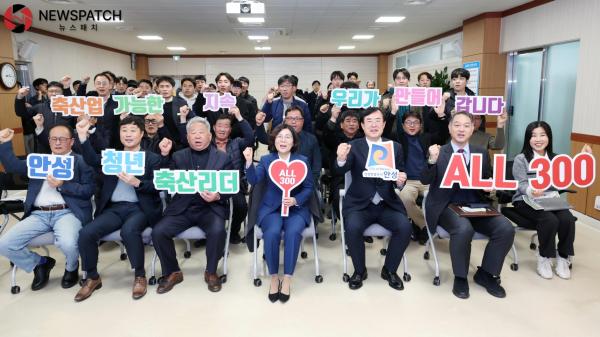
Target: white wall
55 58
451 63
264 72
562 21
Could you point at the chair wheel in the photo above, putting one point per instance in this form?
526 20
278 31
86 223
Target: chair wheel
406 277
514 266
332 237
346 278
319 279
436 281
12 264
152 281
304 255
123 257
532 246
257 282
426 255
15 290
383 251
187 254
223 278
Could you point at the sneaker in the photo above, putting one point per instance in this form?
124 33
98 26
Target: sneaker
544 267
562 268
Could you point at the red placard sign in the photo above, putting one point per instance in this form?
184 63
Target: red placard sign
287 176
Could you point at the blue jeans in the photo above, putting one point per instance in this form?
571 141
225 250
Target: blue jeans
293 226
64 224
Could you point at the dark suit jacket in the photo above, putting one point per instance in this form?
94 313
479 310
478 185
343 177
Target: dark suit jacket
271 201
148 196
362 190
182 160
77 192
439 198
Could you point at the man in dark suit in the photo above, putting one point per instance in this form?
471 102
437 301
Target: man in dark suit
51 205
207 210
127 203
461 229
372 200
176 112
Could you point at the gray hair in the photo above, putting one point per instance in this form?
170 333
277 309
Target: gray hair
195 120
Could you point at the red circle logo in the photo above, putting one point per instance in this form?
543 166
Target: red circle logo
17 18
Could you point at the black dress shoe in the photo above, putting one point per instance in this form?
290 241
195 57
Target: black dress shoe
274 297
393 279
423 236
489 282
284 297
41 273
461 287
356 281
70 278
235 239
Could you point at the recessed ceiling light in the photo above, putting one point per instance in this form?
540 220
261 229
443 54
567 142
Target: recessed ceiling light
176 48
258 37
262 48
417 2
251 20
346 47
389 19
362 37
150 37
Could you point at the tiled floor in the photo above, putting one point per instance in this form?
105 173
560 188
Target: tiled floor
533 307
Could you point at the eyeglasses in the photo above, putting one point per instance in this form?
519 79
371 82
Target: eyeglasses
59 139
415 123
294 119
150 122
55 91
101 83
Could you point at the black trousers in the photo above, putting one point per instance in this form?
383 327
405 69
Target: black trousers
498 229
240 209
396 222
548 224
171 225
132 221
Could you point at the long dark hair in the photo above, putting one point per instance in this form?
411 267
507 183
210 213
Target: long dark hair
276 131
527 150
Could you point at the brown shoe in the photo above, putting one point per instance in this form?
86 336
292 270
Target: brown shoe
139 287
213 280
87 289
167 283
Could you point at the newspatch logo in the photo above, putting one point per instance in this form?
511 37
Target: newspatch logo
17 18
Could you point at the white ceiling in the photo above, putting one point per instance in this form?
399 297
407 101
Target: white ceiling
311 26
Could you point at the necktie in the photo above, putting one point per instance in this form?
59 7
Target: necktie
462 153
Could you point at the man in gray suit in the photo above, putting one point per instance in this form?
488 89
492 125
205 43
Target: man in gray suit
461 229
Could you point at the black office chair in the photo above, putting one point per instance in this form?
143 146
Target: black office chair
10 207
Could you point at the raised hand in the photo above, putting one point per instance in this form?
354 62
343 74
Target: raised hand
165 146
248 155
260 118
6 135
342 151
434 152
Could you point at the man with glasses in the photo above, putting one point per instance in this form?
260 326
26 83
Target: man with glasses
155 132
372 200
42 114
274 108
51 205
415 145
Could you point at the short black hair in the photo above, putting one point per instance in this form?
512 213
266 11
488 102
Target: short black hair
224 117
135 120
425 73
229 77
212 85
352 73
188 79
236 84
350 114
39 81
370 111
276 131
132 84
244 79
111 75
55 84
121 79
145 80
103 74
470 116
288 78
412 113
76 82
404 72
349 85
165 79
315 82
335 74
199 78
294 107
460 72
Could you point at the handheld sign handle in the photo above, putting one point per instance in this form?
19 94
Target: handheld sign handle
287 176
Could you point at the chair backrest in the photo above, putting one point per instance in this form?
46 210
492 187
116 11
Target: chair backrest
347 180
